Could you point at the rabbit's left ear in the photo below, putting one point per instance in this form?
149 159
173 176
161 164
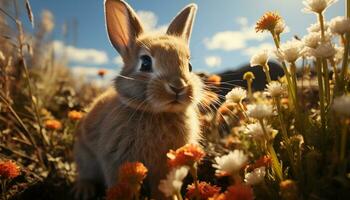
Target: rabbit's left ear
183 22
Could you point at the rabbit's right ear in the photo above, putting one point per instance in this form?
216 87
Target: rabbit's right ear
123 26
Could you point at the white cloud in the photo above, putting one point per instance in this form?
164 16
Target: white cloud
213 61
118 60
81 55
91 74
234 40
150 21
250 51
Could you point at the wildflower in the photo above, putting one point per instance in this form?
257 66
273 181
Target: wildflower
317 6
214 79
205 191
132 172
312 39
75 115
248 76
47 21
275 89
290 51
120 191
340 25
259 58
231 163
53 124
268 22
280 27
341 105
186 155
317 27
259 111
323 50
173 182
236 95
239 192
101 72
256 176
255 130
9 169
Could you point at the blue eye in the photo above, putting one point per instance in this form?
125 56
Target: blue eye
146 63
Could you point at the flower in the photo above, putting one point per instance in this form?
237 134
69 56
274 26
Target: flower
173 182
205 191
340 25
280 27
214 79
53 124
290 51
236 95
341 105
268 22
132 173
312 39
239 192
259 58
323 50
186 155
259 111
256 176
9 169
275 89
317 6
255 130
75 115
101 72
317 27
120 191
338 57
231 163
249 76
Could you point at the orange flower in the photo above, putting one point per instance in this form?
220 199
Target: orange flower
205 191
214 79
9 169
263 161
132 173
120 191
186 155
53 124
268 22
75 115
102 72
239 192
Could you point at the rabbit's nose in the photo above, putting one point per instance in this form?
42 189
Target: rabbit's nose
178 86
176 89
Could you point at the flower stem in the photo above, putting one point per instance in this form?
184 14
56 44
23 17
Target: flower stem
321 94
344 69
266 69
321 21
344 137
326 81
250 93
193 171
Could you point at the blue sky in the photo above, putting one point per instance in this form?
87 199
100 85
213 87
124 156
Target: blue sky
215 20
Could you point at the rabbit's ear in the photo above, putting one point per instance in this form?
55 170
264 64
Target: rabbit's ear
183 22
123 26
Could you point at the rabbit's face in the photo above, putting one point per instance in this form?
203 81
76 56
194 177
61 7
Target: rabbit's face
161 79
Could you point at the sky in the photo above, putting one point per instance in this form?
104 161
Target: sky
223 35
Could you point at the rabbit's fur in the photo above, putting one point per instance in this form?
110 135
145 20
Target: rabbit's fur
138 120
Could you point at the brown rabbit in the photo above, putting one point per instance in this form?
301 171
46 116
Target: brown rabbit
153 107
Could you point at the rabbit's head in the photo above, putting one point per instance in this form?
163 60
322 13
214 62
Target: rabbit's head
157 74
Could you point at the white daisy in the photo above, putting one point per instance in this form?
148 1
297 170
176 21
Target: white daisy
312 39
261 58
256 176
280 27
255 131
173 182
340 25
323 50
259 111
341 105
231 163
275 89
236 95
317 6
317 27
290 51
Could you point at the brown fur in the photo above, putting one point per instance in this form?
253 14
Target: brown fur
136 120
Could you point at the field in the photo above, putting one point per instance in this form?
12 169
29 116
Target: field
289 141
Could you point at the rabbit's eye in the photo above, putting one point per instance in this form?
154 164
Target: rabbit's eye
190 67
146 63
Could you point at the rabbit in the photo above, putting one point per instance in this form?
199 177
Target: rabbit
152 108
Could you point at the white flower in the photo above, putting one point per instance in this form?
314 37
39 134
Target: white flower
340 25
341 105
317 6
317 27
280 27
259 111
47 21
256 176
324 50
275 89
290 51
173 182
261 58
231 163
255 131
312 39
236 95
